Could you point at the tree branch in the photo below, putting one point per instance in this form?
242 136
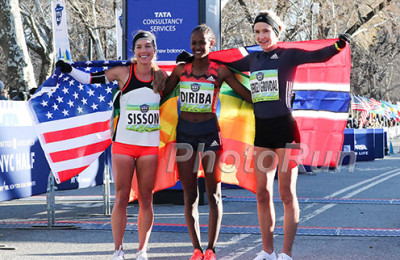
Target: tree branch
367 17
246 11
35 30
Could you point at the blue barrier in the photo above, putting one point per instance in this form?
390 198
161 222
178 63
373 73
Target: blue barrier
364 144
368 144
379 143
348 143
24 169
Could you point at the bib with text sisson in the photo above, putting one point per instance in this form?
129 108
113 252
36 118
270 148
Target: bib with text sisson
143 118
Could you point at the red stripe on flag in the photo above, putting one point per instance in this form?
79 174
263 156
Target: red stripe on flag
322 72
364 115
324 140
68 174
335 70
61 135
229 55
80 151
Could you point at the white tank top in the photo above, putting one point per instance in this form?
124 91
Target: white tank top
139 119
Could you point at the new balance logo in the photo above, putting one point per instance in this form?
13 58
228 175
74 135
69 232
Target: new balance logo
214 143
274 57
211 78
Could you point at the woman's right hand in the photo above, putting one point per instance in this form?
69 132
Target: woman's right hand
64 67
343 38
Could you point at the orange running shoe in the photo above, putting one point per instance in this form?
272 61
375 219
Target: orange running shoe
197 255
209 255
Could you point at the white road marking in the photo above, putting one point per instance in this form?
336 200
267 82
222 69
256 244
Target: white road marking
374 181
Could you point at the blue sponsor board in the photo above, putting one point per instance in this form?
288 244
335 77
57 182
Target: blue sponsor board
368 144
379 142
364 144
171 21
348 144
23 167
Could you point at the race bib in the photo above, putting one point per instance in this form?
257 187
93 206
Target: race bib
264 85
143 118
196 96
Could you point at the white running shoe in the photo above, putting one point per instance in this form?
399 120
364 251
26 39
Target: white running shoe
265 256
283 256
118 254
141 255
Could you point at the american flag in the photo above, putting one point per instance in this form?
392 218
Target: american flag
375 104
72 120
364 115
359 103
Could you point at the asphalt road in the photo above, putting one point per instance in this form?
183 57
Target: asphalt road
344 215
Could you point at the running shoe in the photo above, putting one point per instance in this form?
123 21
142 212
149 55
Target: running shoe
209 255
141 255
265 256
283 256
118 254
197 255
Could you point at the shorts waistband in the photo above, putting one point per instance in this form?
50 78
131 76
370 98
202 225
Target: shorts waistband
198 128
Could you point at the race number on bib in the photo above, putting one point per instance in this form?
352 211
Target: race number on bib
143 118
264 85
196 96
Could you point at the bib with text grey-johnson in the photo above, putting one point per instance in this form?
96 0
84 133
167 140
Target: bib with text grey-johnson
196 96
264 85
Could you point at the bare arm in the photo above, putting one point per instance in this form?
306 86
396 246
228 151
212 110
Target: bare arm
119 73
173 80
224 74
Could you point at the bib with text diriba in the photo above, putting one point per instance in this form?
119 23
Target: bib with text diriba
196 96
264 85
143 118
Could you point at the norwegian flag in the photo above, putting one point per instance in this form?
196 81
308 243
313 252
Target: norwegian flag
72 120
322 96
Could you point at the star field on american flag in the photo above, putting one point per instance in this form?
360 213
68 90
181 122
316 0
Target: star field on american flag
69 98
72 120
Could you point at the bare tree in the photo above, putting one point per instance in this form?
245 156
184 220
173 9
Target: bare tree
374 25
39 36
19 70
97 18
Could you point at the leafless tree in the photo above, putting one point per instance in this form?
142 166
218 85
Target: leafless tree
373 24
18 68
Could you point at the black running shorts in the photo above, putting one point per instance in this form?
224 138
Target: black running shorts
276 132
206 133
